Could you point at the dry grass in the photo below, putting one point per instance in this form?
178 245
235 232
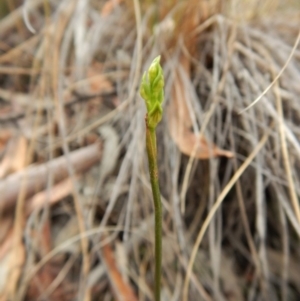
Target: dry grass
231 225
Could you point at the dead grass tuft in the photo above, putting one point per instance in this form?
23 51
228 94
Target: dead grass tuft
229 181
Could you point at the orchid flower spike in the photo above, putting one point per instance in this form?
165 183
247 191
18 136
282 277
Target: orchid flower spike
152 90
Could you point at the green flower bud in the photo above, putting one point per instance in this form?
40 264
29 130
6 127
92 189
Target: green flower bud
151 90
154 69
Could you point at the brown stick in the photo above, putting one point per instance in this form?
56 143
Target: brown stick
81 160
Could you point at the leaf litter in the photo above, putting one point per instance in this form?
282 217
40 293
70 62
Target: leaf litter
72 121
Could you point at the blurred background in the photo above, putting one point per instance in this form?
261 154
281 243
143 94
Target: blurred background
76 211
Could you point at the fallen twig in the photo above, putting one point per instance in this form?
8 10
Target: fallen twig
81 160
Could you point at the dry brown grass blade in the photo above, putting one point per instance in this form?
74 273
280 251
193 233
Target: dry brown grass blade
19 50
18 71
81 160
15 156
14 261
180 122
285 153
121 290
16 258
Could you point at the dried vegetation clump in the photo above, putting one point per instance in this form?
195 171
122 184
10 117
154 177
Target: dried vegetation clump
76 216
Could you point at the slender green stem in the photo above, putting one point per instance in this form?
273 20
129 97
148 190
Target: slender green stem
153 170
152 90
